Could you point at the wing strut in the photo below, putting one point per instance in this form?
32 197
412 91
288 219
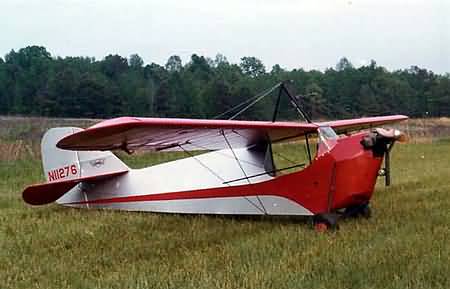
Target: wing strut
301 112
245 174
219 177
308 150
265 173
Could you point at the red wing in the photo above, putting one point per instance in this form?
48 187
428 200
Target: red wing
180 134
167 134
347 125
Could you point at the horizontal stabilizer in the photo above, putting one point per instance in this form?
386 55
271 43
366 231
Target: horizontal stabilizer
41 194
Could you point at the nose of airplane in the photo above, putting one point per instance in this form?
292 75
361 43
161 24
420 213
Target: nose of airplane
394 134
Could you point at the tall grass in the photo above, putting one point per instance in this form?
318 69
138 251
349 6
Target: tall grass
404 245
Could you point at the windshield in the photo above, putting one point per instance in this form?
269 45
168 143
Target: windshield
327 139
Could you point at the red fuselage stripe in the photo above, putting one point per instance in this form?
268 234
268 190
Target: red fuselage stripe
225 192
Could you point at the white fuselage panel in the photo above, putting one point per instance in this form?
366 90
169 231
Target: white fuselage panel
206 171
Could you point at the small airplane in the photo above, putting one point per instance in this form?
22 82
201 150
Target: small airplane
235 173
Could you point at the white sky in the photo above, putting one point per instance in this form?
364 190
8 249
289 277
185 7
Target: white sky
313 34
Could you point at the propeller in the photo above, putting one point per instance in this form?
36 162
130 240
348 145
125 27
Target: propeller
392 136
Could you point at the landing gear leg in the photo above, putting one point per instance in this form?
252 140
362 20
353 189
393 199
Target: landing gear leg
358 211
327 221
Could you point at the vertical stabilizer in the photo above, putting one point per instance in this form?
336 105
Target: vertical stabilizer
60 165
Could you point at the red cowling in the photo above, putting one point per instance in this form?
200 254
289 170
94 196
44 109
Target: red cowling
343 177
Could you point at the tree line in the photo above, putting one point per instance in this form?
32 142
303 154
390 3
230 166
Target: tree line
33 83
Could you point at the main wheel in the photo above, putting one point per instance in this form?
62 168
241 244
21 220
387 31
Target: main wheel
366 212
358 211
325 222
321 227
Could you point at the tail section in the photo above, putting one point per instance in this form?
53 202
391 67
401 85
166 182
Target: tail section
62 165
65 169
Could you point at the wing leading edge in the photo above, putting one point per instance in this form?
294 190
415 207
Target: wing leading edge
168 134
349 125
180 134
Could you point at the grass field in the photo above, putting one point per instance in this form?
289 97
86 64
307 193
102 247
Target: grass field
404 245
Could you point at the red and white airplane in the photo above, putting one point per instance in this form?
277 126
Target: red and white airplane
235 174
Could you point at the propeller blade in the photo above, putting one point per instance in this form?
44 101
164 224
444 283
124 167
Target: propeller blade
387 166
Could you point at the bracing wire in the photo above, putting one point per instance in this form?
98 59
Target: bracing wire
248 103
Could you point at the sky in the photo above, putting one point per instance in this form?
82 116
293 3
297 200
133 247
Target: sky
309 34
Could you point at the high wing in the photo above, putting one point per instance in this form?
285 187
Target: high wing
349 125
129 133
168 134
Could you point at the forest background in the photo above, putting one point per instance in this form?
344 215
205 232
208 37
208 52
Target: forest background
35 83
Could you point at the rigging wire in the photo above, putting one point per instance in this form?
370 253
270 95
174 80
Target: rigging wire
201 163
248 103
220 178
245 174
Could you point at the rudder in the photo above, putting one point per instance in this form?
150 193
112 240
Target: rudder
61 165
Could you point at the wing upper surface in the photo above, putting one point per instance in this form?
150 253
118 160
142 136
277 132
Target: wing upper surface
167 134
348 125
180 134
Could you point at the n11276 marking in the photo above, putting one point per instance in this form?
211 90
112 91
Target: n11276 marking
62 173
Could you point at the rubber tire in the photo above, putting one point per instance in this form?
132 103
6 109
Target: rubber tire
366 212
329 220
358 211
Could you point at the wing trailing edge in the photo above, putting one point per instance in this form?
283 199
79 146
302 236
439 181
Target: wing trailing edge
172 134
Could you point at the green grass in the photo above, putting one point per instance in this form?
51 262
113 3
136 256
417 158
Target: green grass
404 245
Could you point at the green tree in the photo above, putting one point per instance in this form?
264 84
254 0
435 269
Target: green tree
135 61
344 64
32 82
28 69
317 105
114 65
220 59
174 64
440 97
252 66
